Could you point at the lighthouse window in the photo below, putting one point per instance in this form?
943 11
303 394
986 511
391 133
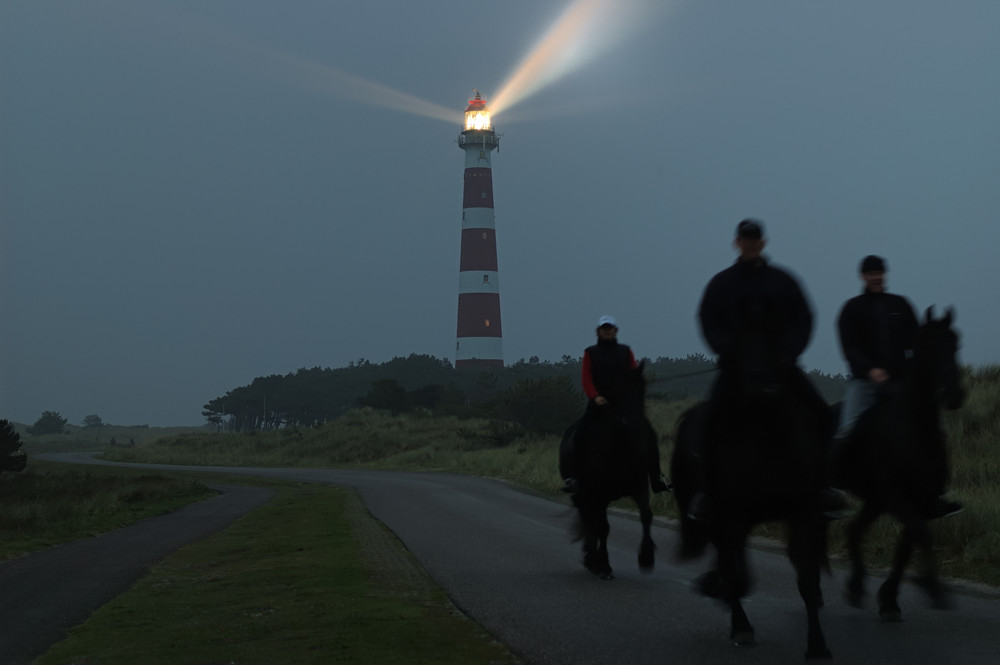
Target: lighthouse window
482 195
482 154
486 323
484 235
486 279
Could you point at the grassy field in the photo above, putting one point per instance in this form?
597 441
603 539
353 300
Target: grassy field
75 438
968 544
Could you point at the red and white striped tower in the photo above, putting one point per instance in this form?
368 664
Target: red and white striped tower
480 344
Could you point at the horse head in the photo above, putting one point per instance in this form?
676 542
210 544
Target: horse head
935 355
637 378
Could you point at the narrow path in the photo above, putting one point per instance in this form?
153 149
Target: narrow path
44 594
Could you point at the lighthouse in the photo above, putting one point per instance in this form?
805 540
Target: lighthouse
480 343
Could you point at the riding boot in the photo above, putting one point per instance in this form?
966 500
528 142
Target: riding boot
833 498
699 507
835 475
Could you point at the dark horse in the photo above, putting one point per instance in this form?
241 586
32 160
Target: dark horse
760 450
611 444
897 463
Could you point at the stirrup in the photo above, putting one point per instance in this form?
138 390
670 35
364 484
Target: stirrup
834 503
946 508
661 484
699 508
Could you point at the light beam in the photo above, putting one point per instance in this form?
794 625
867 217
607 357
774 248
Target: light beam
335 82
584 31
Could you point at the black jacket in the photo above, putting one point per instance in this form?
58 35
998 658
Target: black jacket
754 312
877 330
608 362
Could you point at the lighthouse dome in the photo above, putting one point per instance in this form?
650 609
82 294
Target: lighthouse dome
477 115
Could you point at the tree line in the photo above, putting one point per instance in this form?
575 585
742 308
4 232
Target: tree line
311 397
12 458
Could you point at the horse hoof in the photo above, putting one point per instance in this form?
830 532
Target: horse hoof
602 573
743 638
854 592
854 598
888 604
709 584
891 615
942 603
819 654
936 591
647 561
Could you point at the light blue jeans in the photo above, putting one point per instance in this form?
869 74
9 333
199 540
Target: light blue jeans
860 395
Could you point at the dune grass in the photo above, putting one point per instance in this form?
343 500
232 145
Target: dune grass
49 504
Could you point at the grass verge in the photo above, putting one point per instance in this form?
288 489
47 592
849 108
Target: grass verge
310 577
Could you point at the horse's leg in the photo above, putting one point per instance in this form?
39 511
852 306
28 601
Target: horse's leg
732 573
816 648
741 632
928 578
807 549
888 593
589 539
604 528
647 548
595 542
854 594
712 585
590 534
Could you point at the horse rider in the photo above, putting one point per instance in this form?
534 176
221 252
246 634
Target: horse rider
604 365
877 332
756 319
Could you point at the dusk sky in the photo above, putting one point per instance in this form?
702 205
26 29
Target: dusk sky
194 194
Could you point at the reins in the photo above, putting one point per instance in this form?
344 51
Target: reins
683 376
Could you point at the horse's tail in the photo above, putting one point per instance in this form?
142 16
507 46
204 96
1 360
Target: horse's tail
683 472
825 561
824 545
577 529
694 539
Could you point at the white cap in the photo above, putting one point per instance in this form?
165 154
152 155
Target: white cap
606 321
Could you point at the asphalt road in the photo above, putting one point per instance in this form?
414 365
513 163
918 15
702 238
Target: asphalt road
506 559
